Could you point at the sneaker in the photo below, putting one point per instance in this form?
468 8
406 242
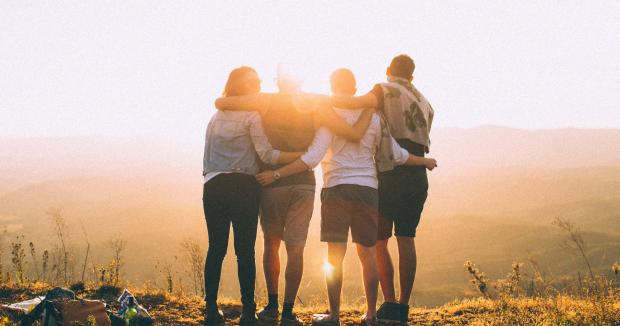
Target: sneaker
390 312
324 320
404 313
365 321
214 319
268 314
291 321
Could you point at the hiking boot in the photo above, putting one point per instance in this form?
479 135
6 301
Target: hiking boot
291 321
324 320
215 318
268 314
404 313
365 321
389 312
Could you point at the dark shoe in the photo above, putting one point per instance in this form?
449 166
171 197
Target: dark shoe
291 321
404 313
268 314
248 316
389 311
214 319
324 320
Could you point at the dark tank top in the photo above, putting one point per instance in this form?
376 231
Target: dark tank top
289 130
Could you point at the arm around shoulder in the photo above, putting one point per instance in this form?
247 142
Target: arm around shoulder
255 102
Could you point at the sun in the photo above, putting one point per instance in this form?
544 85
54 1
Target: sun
328 269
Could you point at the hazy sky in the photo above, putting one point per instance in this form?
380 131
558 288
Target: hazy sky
154 67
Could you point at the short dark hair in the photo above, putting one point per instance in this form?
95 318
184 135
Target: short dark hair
343 80
235 84
402 66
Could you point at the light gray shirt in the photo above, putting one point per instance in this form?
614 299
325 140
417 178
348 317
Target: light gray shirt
234 142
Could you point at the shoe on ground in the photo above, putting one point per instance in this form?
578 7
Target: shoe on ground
248 317
390 313
324 320
404 313
214 319
268 314
288 321
365 321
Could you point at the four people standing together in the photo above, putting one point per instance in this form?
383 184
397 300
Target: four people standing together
371 149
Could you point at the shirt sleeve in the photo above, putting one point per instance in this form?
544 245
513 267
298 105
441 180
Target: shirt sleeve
377 91
318 148
400 154
263 148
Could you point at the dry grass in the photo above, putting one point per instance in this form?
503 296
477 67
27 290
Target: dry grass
170 309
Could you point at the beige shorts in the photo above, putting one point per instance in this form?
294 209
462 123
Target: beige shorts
286 212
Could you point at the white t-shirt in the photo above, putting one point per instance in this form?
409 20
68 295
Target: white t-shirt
346 162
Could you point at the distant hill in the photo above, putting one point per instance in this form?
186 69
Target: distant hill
493 147
492 200
458 151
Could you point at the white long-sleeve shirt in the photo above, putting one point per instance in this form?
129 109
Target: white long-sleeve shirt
346 162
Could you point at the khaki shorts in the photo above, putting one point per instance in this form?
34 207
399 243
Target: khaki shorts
286 212
349 206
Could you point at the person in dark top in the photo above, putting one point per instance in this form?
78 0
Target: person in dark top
404 189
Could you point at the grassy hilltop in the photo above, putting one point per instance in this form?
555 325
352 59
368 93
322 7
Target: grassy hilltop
601 308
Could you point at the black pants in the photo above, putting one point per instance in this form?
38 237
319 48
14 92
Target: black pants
231 198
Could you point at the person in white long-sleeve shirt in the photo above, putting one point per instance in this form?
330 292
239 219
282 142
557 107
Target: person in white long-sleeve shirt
349 196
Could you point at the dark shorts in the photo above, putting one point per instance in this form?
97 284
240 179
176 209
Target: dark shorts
349 206
402 193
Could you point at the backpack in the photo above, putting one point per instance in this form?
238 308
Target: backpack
70 312
60 308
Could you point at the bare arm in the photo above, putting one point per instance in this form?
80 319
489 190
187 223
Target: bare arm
402 157
263 148
288 157
308 160
255 102
369 100
329 118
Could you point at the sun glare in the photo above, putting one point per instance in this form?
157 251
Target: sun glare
328 268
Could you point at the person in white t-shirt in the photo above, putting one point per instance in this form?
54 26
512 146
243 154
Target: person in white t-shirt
349 197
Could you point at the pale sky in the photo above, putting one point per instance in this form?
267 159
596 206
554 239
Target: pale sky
154 68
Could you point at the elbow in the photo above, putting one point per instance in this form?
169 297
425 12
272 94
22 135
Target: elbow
218 104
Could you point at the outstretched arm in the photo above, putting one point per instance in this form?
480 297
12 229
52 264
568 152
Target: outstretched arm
255 102
329 118
308 160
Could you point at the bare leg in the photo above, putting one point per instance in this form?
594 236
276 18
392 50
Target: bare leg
386 271
407 267
335 256
367 256
271 264
294 271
